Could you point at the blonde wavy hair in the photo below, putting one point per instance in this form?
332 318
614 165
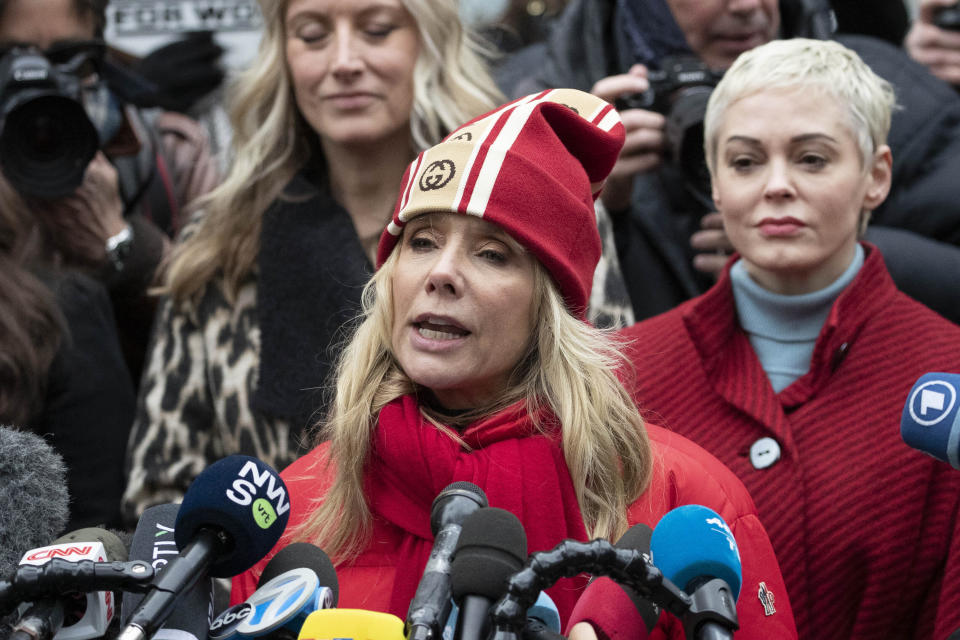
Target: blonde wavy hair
271 140
569 369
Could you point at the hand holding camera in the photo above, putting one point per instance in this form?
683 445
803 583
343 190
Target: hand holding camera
934 39
643 148
81 222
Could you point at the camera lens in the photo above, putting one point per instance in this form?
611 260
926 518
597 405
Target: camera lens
46 145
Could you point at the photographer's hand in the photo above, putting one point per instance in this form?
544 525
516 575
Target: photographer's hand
713 244
643 149
938 49
81 222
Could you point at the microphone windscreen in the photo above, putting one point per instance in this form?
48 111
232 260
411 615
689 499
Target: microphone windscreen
638 537
545 611
113 546
492 546
34 505
242 497
356 624
303 555
931 417
693 541
450 506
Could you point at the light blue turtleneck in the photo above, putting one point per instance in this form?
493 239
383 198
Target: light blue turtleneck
782 328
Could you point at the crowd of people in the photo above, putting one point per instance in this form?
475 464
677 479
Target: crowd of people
650 253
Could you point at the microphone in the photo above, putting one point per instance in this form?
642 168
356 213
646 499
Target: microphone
233 513
608 599
153 542
431 604
33 496
72 616
638 537
297 581
543 620
352 624
931 417
492 546
695 550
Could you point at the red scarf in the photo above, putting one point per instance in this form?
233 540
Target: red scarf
521 470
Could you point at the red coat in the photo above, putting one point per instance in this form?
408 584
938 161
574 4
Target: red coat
865 528
684 474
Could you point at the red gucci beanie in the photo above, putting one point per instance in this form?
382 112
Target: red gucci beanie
533 167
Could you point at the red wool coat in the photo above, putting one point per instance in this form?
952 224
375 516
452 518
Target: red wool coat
683 474
865 528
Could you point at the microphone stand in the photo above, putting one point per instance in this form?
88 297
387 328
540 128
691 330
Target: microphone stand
709 611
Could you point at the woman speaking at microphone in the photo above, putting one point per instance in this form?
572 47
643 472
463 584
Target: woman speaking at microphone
473 362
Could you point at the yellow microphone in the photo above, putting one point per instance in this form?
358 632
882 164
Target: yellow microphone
351 624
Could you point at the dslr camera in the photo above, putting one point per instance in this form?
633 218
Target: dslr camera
680 90
46 138
948 17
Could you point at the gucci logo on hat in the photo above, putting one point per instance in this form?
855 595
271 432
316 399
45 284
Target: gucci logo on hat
437 174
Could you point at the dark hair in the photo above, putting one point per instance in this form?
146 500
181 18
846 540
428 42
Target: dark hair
96 10
31 324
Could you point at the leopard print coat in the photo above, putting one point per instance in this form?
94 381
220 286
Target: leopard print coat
194 402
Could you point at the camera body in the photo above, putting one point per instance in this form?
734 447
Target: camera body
680 90
46 138
948 17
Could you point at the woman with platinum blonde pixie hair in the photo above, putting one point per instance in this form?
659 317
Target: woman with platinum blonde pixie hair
474 363
795 367
342 94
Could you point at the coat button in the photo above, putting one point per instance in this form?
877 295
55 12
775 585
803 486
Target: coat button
764 453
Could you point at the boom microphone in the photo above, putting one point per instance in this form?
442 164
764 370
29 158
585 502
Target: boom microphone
492 547
695 549
33 496
233 513
431 604
931 417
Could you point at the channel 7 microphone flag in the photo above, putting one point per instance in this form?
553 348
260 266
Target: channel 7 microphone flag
931 417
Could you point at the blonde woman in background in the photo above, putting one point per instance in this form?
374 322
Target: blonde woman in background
342 94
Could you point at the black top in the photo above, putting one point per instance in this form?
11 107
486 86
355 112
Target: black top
88 409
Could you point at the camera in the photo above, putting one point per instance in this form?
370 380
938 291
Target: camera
680 90
948 17
46 138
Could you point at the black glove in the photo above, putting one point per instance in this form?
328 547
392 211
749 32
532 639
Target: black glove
184 70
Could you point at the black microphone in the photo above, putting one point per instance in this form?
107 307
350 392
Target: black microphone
81 615
153 542
431 604
233 513
492 547
638 537
33 495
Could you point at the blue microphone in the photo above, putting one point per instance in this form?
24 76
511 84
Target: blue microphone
931 417
231 516
694 548
298 580
693 542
